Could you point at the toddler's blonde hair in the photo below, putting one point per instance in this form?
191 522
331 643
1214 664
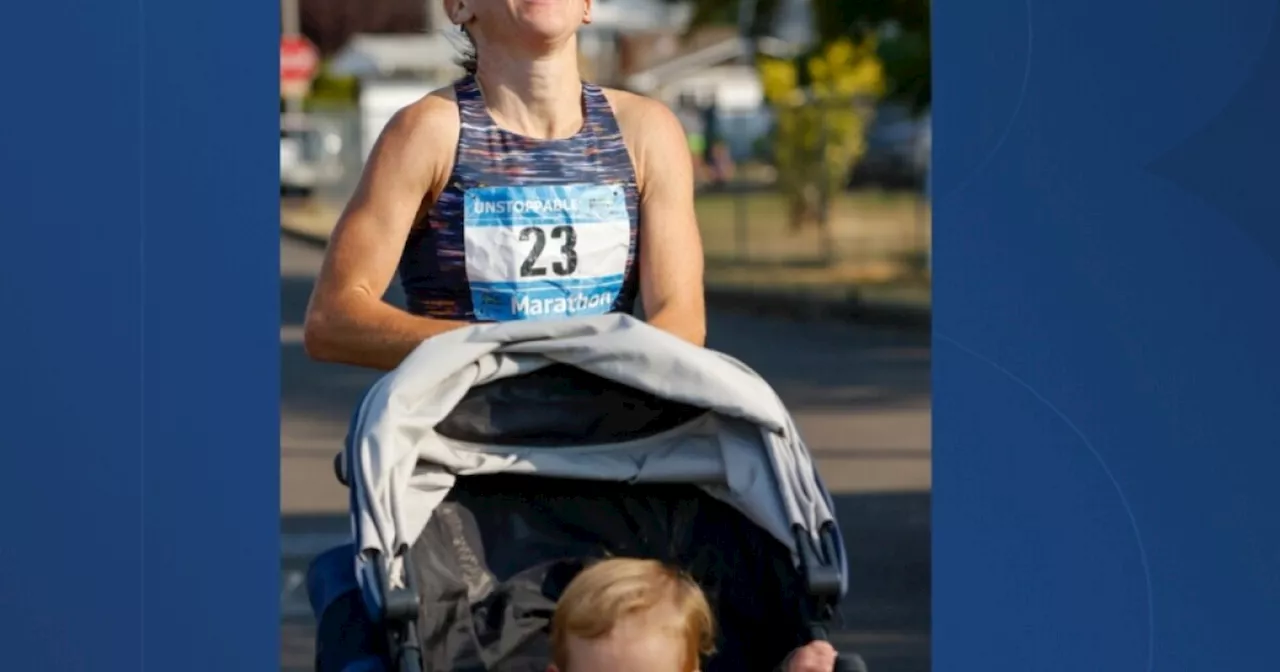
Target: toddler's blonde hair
610 590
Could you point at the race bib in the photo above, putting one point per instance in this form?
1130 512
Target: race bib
545 251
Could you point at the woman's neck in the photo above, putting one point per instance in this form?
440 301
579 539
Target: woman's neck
539 97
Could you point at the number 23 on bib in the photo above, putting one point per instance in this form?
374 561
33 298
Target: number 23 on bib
537 252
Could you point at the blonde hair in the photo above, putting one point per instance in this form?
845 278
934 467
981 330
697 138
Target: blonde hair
610 590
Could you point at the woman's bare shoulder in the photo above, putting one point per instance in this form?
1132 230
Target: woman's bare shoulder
420 139
432 118
651 130
634 110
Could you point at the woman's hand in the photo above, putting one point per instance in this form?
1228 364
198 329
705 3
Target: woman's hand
812 657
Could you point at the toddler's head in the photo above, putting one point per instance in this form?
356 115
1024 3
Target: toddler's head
624 615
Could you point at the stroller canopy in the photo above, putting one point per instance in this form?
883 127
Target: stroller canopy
404 452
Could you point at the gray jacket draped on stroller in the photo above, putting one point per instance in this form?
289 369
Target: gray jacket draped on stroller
497 459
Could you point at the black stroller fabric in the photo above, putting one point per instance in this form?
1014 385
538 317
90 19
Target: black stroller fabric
496 556
560 406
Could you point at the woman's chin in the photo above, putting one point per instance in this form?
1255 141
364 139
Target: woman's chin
545 37
547 23
553 5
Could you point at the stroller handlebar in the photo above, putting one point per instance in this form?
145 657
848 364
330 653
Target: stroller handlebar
850 663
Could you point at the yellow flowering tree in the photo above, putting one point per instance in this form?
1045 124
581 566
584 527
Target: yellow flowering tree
822 104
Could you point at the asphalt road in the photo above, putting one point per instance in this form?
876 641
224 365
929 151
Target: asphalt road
860 397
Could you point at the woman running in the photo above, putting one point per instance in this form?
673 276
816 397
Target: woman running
520 192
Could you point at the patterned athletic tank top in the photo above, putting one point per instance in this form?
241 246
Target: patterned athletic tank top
525 228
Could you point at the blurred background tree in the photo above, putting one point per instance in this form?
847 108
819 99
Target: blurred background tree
854 53
821 109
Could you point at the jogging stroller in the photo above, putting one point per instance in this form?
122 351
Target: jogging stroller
498 459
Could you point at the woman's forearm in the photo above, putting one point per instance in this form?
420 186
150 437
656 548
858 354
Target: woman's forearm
687 324
369 333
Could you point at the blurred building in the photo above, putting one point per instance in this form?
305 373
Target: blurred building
394 71
705 69
331 24
613 25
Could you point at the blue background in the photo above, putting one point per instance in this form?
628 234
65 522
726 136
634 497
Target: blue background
1107 261
1107 343
139 336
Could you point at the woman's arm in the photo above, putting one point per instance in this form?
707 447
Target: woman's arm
347 321
671 261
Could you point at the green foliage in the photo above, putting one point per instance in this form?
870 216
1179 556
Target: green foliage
822 113
329 90
907 67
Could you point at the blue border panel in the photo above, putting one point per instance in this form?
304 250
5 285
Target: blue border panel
1107 339
138 337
